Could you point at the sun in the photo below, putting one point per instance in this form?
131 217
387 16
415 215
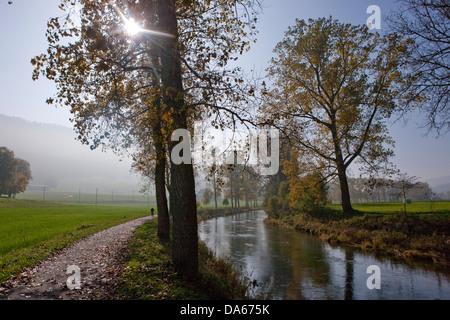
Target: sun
131 27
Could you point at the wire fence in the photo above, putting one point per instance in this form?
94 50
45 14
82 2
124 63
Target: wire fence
90 196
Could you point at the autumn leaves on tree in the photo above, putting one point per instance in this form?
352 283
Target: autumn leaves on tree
334 87
130 91
15 173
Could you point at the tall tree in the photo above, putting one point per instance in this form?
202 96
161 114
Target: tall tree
427 22
108 77
334 86
168 69
185 238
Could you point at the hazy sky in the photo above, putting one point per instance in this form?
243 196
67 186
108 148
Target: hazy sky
22 36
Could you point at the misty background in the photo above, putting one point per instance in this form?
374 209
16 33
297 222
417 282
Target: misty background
61 163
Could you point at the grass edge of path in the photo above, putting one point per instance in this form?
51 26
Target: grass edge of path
149 273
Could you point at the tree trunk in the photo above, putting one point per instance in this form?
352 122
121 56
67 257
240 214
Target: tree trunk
185 238
341 168
345 192
160 166
160 190
231 192
238 195
215 188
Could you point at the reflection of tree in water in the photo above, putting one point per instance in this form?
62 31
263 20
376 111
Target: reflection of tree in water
246 243
349 274
243 238
293 265
308 261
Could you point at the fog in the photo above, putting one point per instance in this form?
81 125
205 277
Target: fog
61 163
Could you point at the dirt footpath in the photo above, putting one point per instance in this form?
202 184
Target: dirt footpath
86 269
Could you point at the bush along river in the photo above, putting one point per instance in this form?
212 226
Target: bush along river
291 265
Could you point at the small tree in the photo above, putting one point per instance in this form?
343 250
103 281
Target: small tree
430 196
207 196
225 202
404 184
283 195
308 193
273 207
15 173
22 178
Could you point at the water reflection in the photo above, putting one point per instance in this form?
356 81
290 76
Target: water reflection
292 265
349 260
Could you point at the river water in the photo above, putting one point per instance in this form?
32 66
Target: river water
293 265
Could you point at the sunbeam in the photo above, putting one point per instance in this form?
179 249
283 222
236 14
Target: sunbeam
133 28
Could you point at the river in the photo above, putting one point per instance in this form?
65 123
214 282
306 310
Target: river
293 265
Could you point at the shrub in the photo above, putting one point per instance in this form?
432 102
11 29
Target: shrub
273 207
308 194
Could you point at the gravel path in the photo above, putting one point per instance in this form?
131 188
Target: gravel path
97 259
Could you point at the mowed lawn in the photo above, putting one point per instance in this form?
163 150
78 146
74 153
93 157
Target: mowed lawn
32 230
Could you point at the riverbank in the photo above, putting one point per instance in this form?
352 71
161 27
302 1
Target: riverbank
412 238
149 272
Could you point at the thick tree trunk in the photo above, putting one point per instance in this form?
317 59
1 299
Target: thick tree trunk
342 171
345 192
160 166
185 238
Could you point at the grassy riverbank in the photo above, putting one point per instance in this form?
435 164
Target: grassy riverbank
421 235
149 273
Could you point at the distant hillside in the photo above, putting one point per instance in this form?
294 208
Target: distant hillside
59 161
440 185
443 188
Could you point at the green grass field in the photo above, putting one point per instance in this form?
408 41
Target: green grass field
83 197
414 208
31 230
